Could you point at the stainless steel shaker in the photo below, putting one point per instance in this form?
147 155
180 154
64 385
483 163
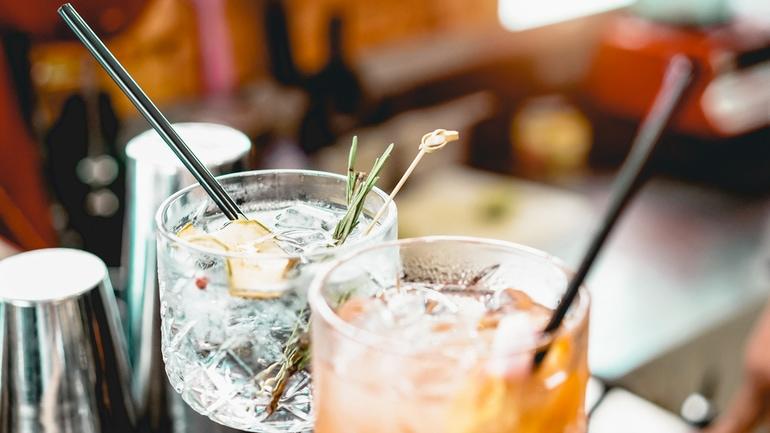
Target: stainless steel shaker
63 364
153 174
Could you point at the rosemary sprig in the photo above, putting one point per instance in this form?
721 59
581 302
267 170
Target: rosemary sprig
296 352
352 175
296 355
358 187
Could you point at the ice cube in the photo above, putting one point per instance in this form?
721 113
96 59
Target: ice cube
260 278
303 241
206 311
374 316
405 306
514 339
469 308
511 301
302 216
198 216
247 236
421 316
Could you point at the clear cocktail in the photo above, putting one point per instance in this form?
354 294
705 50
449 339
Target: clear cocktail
233 296
438 334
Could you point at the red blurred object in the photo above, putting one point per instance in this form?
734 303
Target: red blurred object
24 210
40 19
732 62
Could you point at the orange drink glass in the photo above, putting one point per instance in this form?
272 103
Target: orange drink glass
438 335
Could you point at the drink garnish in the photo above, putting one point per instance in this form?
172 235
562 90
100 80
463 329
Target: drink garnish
265 277
259 277
262 277
429 143
357 189
359 184
295 357
189 230
201 282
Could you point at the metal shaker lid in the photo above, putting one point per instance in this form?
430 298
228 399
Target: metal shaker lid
49 275
212 143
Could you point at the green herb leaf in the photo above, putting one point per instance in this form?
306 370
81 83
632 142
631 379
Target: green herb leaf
351 170
295 357
356 191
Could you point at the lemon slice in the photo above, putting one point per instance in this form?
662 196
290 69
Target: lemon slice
189 231
247 236
198 237
258 277
207 241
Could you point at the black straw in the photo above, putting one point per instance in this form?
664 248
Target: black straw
150 112
678 76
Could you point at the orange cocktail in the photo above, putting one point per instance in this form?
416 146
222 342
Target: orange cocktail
437 335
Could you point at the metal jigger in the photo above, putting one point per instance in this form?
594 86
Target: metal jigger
153 174
64 367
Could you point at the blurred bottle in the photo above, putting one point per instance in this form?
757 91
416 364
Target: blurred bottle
335 94
216 52
280 54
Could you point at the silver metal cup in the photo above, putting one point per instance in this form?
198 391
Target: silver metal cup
63 363
153 174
